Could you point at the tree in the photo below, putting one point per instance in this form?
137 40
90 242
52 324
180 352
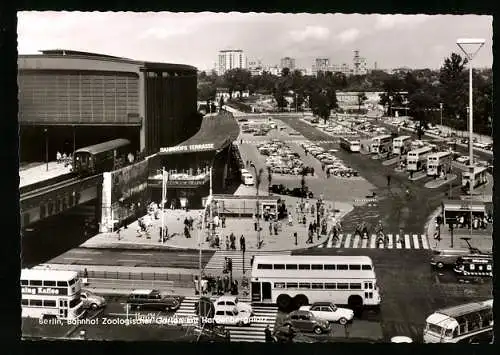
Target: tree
392 93
421 104
279 96
285 72
221 102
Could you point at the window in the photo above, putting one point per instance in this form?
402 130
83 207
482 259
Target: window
265 267
219 313
24 302
49 303
366 267
279 285
355 286
354 267
330 286
36 303
221 303
326 309
342 267
24 282
316 267
279 266
49 283
74 302
472 267
291 285
72 282
291 266
62 284
230 303
304 285
488 267
35 283
343 286
329 266
304 267
317 285
294 317
304 317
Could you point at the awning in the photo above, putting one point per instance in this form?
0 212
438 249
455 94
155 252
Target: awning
216 133
464 205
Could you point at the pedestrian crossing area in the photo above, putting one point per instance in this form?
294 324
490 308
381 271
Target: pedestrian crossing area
394 241
263 316
240 262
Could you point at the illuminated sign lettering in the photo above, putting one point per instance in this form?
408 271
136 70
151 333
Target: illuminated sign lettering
188 148
41 291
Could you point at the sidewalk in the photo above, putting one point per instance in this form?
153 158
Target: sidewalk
130 238
434 184
481 239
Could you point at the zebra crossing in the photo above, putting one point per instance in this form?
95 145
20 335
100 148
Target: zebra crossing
394 241
263 316
216 263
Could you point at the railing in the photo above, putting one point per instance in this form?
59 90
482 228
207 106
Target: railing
183 279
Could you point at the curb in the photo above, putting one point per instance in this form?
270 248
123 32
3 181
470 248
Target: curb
442 183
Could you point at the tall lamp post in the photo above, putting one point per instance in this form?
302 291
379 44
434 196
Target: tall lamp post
470 47
164 180
258 176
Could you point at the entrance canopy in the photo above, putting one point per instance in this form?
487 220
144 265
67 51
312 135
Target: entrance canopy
453 208
244 206
216 133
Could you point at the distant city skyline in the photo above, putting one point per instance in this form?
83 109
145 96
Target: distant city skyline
392 41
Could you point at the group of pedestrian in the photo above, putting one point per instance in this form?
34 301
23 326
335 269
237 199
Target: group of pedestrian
273 227
231 242
215 285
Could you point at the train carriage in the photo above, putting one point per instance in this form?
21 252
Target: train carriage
100 157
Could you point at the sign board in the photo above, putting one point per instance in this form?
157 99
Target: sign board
44 291
188 148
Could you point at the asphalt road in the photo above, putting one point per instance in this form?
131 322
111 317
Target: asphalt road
411 290
394 208
186 259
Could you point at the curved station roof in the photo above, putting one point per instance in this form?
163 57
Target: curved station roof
216 132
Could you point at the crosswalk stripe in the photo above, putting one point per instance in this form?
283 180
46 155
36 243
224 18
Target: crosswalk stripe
372 241
389 244
415 242
355 243
339 241
399 245
330 241
425 244
347 243
364 243
407 241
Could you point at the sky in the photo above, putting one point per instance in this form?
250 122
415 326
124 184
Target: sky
415 41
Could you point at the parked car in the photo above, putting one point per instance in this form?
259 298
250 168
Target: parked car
153 299
278 189
442 258
330 312
299 192
232 301
227 315
91 300
306 321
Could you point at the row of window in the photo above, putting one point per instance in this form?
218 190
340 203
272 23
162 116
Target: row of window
39 303
47 283
314 267
324 285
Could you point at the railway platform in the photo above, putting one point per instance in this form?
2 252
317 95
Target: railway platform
42 172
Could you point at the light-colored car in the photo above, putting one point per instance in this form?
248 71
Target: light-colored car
227 315
463 159
330 312
232 301
91 300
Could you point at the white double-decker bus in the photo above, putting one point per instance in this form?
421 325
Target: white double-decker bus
416 160
297 280
438 163
401 145
381 144
51 294
478 176
464 323
352 145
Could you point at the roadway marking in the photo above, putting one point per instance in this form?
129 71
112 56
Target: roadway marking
77 258
389 244
177 254
355 243
425 244
399 245
407 241
330 241
339 241
84 252
415 242
372 241
129 260
137 254
364 242
347 243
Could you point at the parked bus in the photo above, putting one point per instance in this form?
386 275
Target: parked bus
350 144
297 280
51 294
401 145
475 265
381 144
438 163
459 324
478 176
416 160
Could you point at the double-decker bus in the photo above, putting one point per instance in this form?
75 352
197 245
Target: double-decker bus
297 280
352 145
459 324
381 144
480 265
478 176
438 162
416 160
401 145
51 294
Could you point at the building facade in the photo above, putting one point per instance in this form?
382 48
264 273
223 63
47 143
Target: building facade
231 59
321 64
287 62
255 67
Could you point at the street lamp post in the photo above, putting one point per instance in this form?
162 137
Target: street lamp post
164 179
474 45
257 183
441 113
46 149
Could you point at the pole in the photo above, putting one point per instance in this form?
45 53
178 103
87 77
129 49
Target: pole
164 178
471 150
211 209
441 110
74 140
46 150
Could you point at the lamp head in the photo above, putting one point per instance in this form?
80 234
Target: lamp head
480 41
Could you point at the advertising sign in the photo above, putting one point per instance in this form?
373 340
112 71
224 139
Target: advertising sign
129 181
188 148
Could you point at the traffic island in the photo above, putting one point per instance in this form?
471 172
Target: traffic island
391 161
434 184
417 176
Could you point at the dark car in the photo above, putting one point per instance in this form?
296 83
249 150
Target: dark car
153 300
305 321
278 189
303 193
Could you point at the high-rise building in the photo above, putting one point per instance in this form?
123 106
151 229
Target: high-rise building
288 62
321 64
255 67
231 59
359 64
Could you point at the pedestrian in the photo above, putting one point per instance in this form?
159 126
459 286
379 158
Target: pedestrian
196 285
388 181
233 241
271 228
254 217
275 225
223 221
85 280
186 232
118 233
304 220
290 219
226 283
268 334
227 242
58 157
219 286
204 285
